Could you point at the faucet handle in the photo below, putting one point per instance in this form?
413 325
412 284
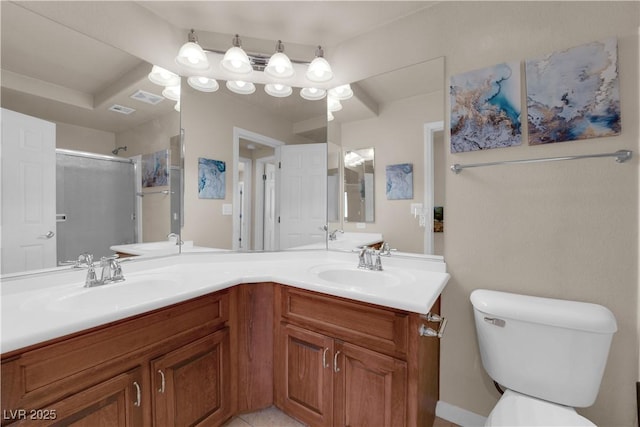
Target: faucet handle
84 258
386 249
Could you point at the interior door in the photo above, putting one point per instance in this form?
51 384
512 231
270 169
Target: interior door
28 192
303 195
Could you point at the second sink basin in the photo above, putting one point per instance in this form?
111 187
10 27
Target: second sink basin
356 277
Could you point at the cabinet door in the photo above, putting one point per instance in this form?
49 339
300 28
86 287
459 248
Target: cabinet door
304 375
192 385
370 388
115 402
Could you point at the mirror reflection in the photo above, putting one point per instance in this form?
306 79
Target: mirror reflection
274 192
390 112
359 174
108 173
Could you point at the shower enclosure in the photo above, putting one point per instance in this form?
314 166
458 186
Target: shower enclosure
95 204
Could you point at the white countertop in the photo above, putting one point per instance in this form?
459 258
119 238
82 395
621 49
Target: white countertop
40 307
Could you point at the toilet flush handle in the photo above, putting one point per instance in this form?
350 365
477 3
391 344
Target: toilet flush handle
495 321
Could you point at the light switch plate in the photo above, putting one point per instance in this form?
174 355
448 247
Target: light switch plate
227 209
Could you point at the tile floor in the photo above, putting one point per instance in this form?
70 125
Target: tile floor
273 417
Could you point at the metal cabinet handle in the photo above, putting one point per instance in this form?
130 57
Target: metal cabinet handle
335 362
138 394
162 383
324 358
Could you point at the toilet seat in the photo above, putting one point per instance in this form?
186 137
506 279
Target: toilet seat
515 409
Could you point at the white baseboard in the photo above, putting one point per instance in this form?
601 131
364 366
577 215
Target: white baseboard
459 416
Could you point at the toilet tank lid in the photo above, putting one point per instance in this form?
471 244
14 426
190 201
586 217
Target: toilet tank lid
547 311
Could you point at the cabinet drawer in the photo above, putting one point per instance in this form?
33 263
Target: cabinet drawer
380 329
66 365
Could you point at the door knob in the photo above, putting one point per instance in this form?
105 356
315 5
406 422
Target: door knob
49 235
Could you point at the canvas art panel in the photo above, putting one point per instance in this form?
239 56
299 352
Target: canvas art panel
485 108
574 94
400 181
211 179
155 170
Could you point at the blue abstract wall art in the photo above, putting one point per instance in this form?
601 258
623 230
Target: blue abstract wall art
574 94
400 181
485 108
155 171
211 179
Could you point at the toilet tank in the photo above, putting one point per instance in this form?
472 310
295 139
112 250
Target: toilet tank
551 349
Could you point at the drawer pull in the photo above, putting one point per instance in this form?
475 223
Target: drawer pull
324 358
138 394
162 383
335 362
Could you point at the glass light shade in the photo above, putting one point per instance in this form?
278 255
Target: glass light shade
236 61
192 56
312 93
330 116
241 87
342 92
333 104
278 90
203 84
177 106
162 77
319 70
172 93
279 66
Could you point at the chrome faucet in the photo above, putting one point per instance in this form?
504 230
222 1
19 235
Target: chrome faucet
366 259
175 236
332 235
111 273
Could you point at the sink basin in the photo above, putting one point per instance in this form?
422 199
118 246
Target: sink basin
106 298
356 277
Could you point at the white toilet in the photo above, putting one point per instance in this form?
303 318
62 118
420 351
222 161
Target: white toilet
549 354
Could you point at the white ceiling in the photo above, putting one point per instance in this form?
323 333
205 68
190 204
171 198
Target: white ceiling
89 75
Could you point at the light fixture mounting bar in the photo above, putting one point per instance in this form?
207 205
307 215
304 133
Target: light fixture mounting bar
258 61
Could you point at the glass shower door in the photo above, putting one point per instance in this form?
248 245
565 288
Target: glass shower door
95 204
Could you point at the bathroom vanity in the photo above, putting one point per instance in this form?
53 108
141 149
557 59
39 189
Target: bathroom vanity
225 342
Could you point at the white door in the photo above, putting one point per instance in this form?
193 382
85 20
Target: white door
269 214
28 192
303 195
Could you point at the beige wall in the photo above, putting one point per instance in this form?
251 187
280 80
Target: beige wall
152 136
80 138
564 229
397 135
208 120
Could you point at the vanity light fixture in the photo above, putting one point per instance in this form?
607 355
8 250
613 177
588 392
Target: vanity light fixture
203 84
172 93
241 87
312 93
163 77
191 55
342 92
278 90
333 104
319 70
235 59
279 65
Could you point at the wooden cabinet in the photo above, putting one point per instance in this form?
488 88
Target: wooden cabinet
324 360
344 363
192 384
109 375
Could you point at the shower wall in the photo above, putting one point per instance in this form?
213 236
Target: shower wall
95 204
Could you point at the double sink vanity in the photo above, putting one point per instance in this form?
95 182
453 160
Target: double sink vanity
195 338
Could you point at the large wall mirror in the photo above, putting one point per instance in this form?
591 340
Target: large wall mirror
117 141
392 115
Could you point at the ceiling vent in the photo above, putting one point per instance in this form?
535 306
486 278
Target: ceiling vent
147 97
121 109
